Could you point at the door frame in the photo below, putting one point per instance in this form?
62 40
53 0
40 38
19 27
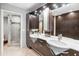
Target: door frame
2 27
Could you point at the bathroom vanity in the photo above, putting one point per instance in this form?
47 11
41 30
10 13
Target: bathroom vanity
54 46
48 23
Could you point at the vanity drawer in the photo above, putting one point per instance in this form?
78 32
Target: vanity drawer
41 47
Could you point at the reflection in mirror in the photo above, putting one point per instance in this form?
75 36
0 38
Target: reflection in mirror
41 23
33 23
46 18
48 22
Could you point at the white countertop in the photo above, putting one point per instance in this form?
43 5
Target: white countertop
65 42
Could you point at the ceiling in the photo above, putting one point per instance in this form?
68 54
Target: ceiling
27 6
51 6
6 14
23 5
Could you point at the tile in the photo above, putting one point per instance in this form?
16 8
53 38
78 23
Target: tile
16 51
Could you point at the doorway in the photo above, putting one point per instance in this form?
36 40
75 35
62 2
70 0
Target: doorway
11 29
15 31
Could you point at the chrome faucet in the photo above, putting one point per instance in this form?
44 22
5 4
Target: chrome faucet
59 37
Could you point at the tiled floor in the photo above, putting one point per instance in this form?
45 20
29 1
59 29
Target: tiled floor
16 51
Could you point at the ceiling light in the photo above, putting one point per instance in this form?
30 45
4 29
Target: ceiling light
71 13
59 16
63 5
68 4
44 6
37 14
55 6
35 11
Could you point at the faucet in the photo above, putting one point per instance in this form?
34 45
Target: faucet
59 37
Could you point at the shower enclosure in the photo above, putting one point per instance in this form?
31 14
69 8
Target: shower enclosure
12 30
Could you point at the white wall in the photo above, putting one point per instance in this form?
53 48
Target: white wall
8 7
0 29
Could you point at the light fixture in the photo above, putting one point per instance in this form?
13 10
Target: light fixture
35 11
63 5
55 6
37 14
69 4
59 16
44 7
71 13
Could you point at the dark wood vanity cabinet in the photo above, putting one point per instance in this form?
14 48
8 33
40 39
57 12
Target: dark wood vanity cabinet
69 52
42 48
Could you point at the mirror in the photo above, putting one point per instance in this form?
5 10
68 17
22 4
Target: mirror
41 22
46 19
33 23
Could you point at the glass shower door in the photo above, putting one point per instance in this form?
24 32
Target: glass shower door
15 34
